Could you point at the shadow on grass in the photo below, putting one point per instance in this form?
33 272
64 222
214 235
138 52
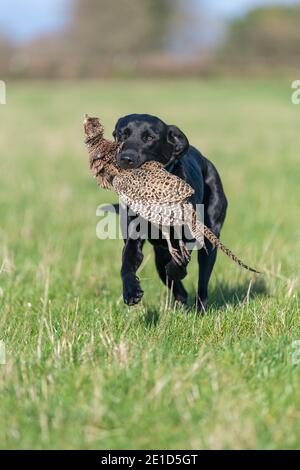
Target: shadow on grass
222 296
151 317
229 295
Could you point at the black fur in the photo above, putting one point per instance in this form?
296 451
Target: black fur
147 138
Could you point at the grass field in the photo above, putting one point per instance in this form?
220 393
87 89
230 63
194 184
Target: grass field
83 370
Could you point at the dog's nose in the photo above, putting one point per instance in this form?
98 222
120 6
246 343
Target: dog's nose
127 159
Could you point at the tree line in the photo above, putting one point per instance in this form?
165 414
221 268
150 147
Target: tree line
105 38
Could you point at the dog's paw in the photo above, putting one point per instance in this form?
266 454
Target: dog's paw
175 272
133 294
181 300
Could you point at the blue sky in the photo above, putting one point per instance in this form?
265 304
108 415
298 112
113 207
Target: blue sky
25 19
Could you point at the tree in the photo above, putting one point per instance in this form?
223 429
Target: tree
265 36
6 54
105 28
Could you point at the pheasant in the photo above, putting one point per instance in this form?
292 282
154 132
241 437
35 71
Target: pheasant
150 191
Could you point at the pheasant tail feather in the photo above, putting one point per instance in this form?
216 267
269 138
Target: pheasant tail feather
199 230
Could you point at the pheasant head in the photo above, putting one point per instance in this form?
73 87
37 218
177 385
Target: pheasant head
102 152
92 128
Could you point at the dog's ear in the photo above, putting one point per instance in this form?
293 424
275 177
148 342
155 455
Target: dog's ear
177 141
114 134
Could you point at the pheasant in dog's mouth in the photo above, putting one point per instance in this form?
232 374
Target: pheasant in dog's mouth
150 191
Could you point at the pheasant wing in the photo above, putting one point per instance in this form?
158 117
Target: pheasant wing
152 184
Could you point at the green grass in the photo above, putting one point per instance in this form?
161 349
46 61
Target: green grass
83 370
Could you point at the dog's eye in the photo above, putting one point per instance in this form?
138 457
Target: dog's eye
125 135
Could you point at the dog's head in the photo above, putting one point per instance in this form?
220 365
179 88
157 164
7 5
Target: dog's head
147 138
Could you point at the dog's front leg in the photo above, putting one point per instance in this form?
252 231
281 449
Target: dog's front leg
132 258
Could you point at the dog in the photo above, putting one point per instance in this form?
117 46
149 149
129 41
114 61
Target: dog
145 138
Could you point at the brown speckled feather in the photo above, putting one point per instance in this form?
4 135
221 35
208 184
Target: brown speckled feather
151 184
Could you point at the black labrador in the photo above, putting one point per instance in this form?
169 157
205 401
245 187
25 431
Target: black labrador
147 138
